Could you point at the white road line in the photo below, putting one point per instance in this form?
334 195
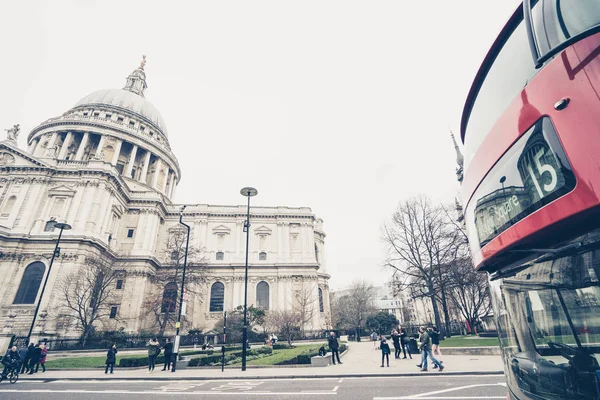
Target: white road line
422 376
442 398
454 389
174 393
335 388
341 380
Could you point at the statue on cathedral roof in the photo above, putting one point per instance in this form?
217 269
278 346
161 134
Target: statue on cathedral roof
13 133
143 63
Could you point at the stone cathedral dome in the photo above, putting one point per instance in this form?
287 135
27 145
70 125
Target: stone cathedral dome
130 98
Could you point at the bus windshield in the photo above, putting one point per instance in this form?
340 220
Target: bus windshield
549 322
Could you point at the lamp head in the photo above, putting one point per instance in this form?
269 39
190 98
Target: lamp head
62 225
248 192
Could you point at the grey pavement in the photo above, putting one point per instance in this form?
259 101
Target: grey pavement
360 360
353 388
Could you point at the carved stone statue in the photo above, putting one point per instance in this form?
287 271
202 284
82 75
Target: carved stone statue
52 151
99 155
13 133
143 63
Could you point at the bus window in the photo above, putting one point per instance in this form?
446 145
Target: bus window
555 22
507 76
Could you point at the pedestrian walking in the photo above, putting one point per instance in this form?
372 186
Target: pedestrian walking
23 357
425 344
42 362
435 344
153 352
405 341
168 350
334 347
35 358
397 346
26 364
111 359
374 339
385 351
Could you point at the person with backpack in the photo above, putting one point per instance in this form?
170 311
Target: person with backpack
385 351
425 344
111 358
35 358
153 352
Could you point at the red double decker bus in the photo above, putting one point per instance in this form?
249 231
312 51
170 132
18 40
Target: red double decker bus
531 195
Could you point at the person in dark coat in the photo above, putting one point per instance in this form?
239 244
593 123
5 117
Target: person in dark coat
385 351
334 347
111 358
405 340
42 362
23 356
396 340
28 355
35 358
168 349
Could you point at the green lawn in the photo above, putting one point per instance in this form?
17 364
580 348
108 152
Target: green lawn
469 341
93 361
283 354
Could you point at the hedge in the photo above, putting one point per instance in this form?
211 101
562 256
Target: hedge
305 358
281 346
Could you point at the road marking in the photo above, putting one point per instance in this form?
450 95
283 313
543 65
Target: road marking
422 376
341 380
146 392
240 386
454 389
335 388
177 387
442 398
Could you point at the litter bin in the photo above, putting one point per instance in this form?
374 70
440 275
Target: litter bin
412 345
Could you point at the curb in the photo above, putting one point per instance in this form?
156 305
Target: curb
255 377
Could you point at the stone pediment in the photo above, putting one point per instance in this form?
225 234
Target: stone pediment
221 229
61 191
11 156
263 230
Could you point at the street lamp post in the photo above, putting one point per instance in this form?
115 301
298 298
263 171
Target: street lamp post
246 192
62 226
178 324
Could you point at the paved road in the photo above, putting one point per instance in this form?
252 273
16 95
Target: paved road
384 388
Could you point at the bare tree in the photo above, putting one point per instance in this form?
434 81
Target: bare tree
305 305
287 323
352 308
469 290
162 305
420 241
87 296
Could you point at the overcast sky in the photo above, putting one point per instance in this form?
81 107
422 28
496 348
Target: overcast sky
341 106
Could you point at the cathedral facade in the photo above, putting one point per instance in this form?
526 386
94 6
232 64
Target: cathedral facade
105 167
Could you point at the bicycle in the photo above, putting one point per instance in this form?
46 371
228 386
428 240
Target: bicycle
12 374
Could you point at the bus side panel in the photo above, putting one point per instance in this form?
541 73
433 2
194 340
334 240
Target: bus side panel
574 74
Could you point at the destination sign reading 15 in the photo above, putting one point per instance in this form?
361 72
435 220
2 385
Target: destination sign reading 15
532 173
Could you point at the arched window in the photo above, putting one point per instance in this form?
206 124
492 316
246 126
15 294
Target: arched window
321 308
169 300
30 283
262 256
262 295
8 206
217 295
220 255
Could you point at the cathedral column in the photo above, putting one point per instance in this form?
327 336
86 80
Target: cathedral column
84 141
131 161
164 185
33 145
65 146
115 158
279 241
100 148
156 172
172 187
145 167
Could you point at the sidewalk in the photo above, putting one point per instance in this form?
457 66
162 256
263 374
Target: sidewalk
361 360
